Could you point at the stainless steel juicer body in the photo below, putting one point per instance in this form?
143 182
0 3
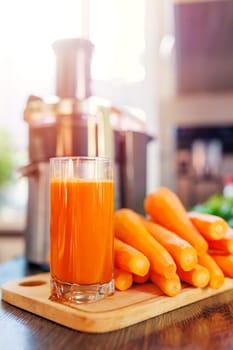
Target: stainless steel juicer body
74 123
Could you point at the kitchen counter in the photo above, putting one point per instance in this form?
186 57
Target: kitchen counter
203 325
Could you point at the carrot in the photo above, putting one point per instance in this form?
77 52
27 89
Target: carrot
183 253
169 286
141 279
130 259
216 274
225 262
123 279
199 276
225 244
210 226
130 229
166 209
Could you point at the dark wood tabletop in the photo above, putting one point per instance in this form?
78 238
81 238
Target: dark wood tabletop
207 324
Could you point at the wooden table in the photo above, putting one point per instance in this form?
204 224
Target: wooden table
203 325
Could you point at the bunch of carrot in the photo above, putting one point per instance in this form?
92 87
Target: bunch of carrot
171 246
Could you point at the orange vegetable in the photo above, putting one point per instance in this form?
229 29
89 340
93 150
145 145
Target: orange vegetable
182 252
210 226
141 279
169 286
123 279
199 276
130 229
130 259
225 244
216 274
166 209
225 262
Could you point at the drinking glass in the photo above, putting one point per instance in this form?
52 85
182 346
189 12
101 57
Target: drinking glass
81 228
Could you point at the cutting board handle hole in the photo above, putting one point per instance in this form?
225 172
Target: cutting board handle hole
31 283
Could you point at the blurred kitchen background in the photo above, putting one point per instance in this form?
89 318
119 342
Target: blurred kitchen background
161 70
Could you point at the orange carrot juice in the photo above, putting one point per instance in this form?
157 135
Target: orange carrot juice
81 224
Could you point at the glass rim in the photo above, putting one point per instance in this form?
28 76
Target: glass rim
82 158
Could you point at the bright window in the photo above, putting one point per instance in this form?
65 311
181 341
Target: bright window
123 66
119 38
28 29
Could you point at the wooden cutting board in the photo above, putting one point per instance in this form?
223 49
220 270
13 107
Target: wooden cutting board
115 312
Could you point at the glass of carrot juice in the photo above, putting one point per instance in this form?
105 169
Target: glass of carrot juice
81 228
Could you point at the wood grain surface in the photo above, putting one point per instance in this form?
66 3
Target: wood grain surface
206 324
121 310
